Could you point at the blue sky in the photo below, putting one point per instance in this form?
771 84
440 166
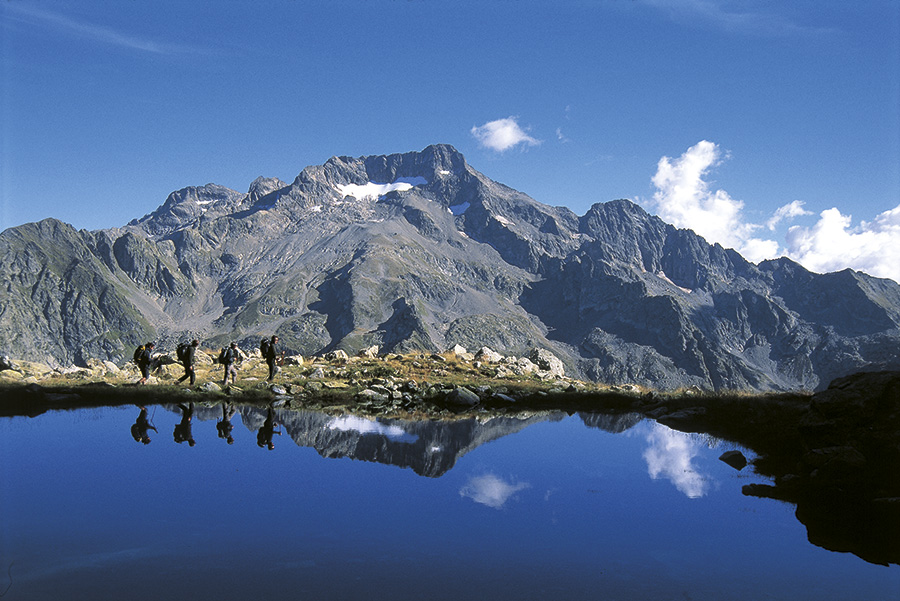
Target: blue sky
771 127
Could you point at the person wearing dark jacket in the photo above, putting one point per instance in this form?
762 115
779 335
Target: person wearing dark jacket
225 426
271 356
230 357
145 361
188 362
183 431
139 429
264 436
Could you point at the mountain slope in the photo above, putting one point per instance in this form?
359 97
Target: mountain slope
421 251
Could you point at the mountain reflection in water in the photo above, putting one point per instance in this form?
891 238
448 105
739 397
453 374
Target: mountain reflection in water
428 447
572 506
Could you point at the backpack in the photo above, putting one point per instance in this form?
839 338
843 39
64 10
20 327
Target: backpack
182 351
222 356
264 347
137 353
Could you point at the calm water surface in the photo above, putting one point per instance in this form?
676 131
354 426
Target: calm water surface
550 507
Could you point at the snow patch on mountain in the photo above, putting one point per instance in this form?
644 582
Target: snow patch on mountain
375 190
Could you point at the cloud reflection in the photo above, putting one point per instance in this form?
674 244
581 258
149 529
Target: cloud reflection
490 490
669 456
354 423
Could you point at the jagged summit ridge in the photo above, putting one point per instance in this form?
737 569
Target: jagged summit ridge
420 251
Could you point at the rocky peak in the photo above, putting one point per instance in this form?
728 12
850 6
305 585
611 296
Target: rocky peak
185 205
262 186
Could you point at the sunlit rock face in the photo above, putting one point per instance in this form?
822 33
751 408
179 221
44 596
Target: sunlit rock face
419 251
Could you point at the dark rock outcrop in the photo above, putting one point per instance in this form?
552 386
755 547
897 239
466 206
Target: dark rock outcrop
845 486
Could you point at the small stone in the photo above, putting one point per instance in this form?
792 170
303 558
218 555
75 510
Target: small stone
735 459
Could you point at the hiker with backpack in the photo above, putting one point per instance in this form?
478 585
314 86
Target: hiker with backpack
142 357
183 431
185 353
228 357
269 349
264 436
141 426
224 427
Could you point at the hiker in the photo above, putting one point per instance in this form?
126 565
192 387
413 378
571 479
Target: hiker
140 426
270 354
264 437
186 354
229 357
183 429
144 361
225 426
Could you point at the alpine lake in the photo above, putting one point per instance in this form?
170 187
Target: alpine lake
218 499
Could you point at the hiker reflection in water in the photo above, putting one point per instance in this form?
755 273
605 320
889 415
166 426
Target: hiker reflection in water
264 437
140 426
183 430
225 426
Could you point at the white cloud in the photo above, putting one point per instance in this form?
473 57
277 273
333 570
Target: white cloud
490 490
502 134
832 244
683 198
788 211
670 454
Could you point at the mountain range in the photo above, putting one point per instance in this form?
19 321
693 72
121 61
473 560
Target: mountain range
419 251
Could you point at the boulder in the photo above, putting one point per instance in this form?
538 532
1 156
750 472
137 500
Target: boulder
370 353
11 376
162 358
338 355
370 395
294 360
548 362
488 355
210 387
111 368
6 363
461 353
463 396
205 357
524 366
